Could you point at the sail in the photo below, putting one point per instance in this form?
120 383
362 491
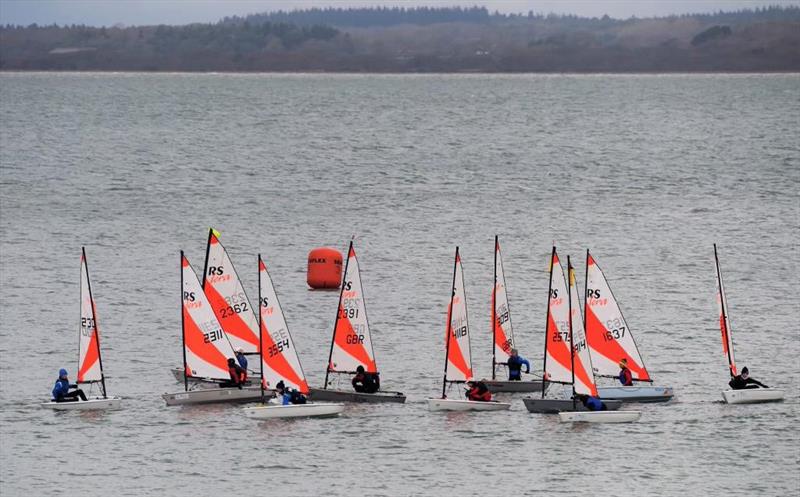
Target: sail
724 321
225 292
352 345
279 361
557 361
610 339
89 368
206 346
459 360
584 376
501 327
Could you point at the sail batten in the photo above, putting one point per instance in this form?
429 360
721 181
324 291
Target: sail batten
225 293
279 359
609 337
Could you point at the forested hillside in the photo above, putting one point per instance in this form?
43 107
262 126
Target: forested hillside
420 40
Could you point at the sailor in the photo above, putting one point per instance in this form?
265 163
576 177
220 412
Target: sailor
478 391
237 374
514 364
591 403
61 391
289 395
364 382
625 376
241 359
743 381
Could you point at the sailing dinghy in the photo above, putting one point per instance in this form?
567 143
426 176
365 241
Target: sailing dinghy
351 343
206 348
90 363
502 333
561 364
583 382
458 356
225 293
279 360
610 340
748 395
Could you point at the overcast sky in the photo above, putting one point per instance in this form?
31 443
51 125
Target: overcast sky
136 12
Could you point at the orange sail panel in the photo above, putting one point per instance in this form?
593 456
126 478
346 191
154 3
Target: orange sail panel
501 327
88 338
459 360
610 340
352 344
206 345
279 359
225 292
724 321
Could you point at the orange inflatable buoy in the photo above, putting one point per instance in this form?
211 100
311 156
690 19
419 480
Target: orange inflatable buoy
324 268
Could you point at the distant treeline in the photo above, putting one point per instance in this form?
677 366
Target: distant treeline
419 40
393 16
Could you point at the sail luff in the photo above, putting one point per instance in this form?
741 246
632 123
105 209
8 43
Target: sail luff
448 328
724 321
547 321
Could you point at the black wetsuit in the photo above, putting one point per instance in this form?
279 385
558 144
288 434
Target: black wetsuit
366 382
739 383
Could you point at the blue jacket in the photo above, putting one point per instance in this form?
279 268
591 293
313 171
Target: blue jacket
594 404
242 360
61 388
515 366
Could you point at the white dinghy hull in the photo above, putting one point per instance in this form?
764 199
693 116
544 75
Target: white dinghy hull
92 404
554 406
752 395
212 396
599 416
466 405
294 411
636 393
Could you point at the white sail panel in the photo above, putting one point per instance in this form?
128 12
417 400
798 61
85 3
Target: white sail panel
501 328
584 375
226 294
558 363
352 344
724 320
89 340
279 360
459 360
206 345
610 339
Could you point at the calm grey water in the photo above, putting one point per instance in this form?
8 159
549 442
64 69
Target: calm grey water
647 171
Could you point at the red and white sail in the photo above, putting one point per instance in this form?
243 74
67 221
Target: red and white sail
352 344
501 327
89 368
584 375
459 360
724 321
206 346
610 339
226 294
557 361
279 360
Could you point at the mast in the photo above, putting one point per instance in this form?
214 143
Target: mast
494 310
571 340
183 326
728 341
260 332
205 264
448 331
586 308
94 317
336 321
547 321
